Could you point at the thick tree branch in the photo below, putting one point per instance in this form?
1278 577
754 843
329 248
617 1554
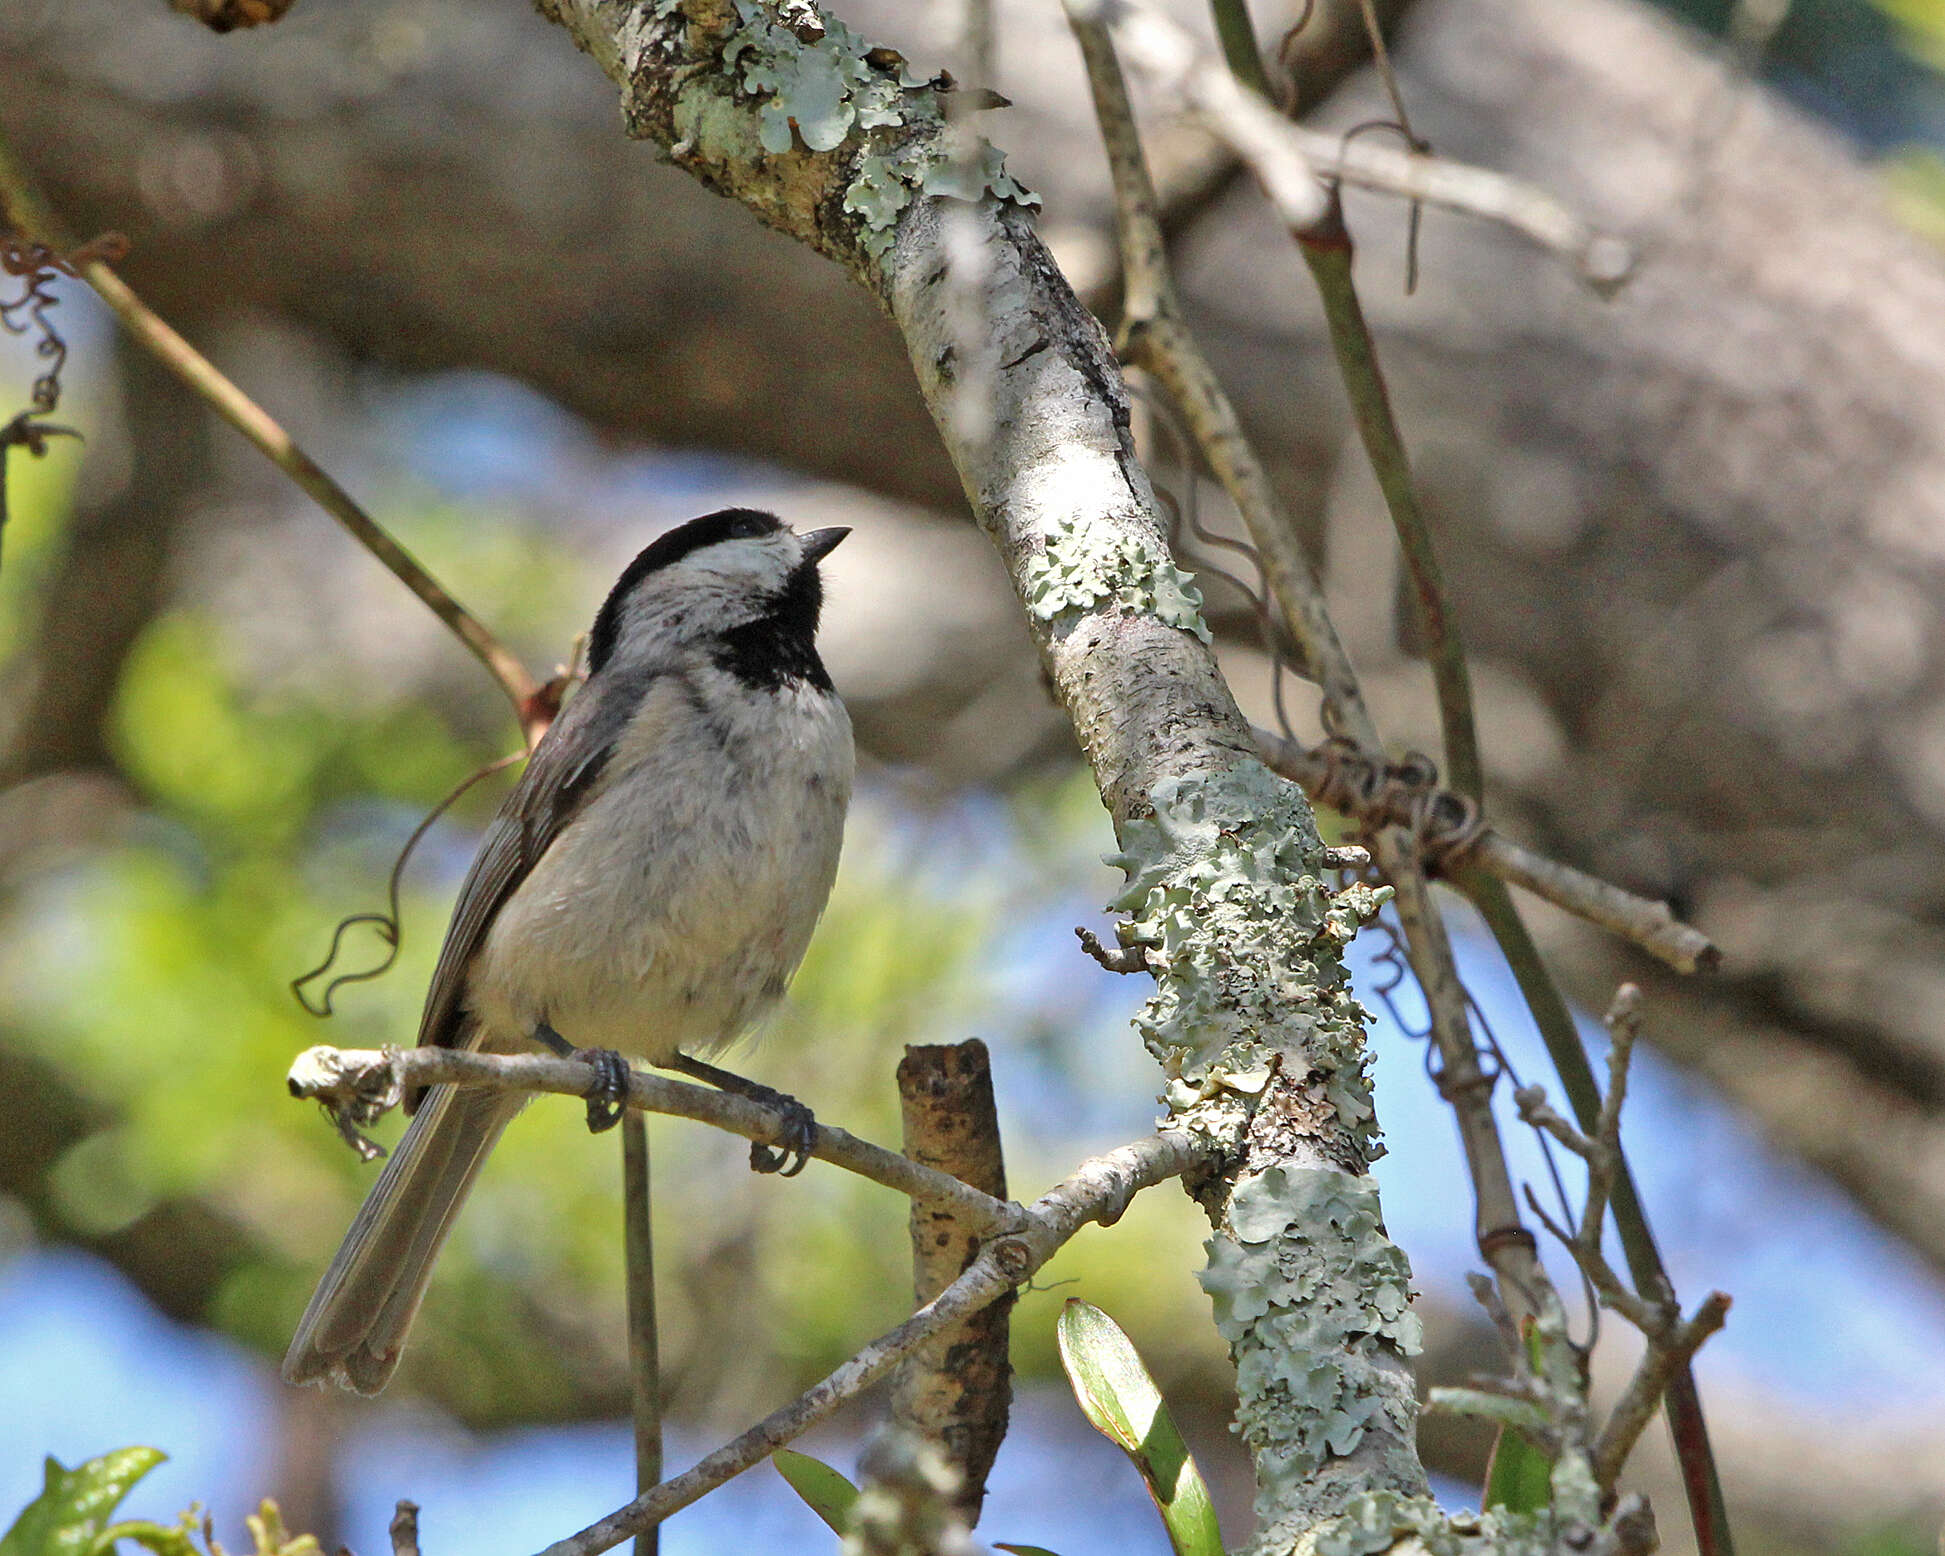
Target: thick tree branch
1274 1081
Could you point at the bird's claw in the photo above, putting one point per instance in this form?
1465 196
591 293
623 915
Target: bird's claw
610 1089
799 1127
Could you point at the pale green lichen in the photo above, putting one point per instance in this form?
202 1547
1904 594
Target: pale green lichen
824 87
1305 1283
1095 567
1378 1520
885 184
1245 939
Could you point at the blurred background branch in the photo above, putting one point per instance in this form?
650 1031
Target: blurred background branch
1688 549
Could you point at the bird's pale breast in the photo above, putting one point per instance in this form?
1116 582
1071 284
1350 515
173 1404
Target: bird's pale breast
671 913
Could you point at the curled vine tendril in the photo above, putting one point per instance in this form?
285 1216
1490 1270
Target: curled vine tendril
388 923
36 266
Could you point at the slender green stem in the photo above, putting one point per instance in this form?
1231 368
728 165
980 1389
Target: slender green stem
1686 1422
1328 253
1238 38
644 1345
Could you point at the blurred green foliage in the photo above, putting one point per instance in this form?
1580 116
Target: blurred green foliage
274 783
1869 66
1921 26
70 1516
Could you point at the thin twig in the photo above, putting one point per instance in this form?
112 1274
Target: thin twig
1648 924
1327 251
1687 1424
363 1083
404 1528
23 207
1652 1379
1099 1189
1117 959
1290 161
644 1339
1651 1308
1601 259
1155 339
1508 1248
1245 120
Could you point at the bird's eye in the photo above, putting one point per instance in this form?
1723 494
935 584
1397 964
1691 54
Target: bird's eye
747 527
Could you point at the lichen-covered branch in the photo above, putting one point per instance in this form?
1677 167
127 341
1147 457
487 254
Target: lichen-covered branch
1252 1015
1155 335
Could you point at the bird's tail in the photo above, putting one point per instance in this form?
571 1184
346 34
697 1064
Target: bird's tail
353 1330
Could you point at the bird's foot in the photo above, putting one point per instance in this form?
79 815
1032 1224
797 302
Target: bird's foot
610 1090
798 1124
610 1087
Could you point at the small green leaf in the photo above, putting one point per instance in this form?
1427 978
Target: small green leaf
1519 1477
1023 1550
162 1539
827 1493
74 1506
1121 1401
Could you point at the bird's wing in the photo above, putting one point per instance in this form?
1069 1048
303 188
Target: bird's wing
560 777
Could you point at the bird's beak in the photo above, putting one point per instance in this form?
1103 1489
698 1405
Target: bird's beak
820 543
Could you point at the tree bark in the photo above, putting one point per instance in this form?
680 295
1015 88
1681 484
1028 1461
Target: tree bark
1692 534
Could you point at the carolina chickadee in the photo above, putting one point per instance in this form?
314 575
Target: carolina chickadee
649 885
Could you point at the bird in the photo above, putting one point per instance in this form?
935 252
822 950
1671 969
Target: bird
649 886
